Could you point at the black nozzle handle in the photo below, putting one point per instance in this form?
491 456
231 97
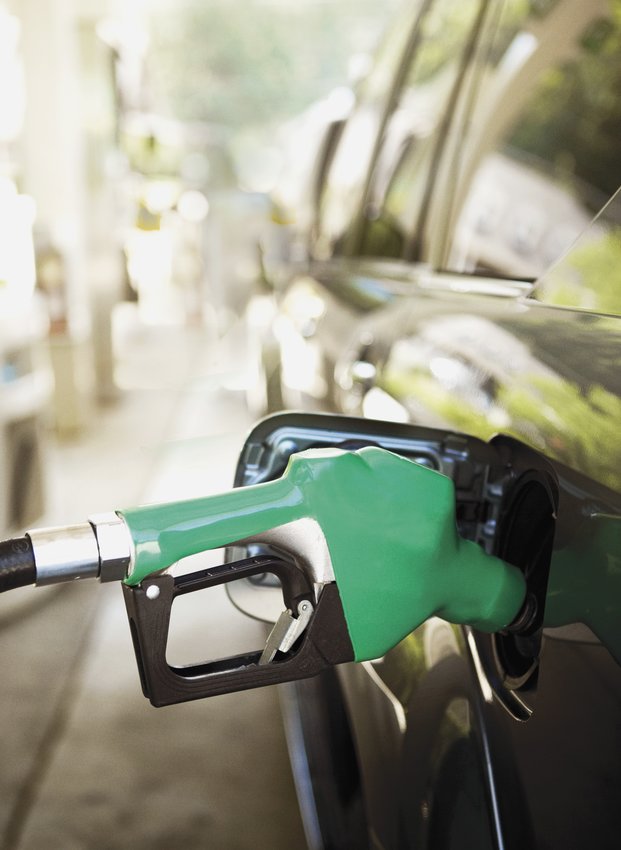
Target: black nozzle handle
325 642
17 563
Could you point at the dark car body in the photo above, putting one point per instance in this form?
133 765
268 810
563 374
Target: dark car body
463 271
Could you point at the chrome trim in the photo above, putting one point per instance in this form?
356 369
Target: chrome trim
508 699
395 704
100 548
462 283
115 547
65 553
484 686
300 768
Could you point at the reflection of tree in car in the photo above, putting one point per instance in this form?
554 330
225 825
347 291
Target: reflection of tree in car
593 595
585 438
404 665
440 404
417 128
444 30
549 129
574 120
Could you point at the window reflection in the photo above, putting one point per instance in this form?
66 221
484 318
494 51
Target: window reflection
417 128
449 375
547 156
345 184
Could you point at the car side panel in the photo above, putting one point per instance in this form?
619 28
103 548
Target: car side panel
547 376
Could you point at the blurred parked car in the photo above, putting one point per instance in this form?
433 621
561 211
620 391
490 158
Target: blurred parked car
481 156
26 381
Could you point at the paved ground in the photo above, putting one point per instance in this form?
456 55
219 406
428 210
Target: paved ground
85 762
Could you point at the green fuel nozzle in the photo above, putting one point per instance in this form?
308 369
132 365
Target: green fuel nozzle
364 543
379 526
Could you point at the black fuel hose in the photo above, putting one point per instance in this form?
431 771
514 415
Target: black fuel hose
17 563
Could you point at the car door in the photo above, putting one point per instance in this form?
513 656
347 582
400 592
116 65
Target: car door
483 352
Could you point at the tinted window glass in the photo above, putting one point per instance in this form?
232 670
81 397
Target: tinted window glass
418 126
589 276
542 156
344 187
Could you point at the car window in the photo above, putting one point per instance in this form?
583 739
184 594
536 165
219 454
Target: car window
589 275
542 153
344 186
418 126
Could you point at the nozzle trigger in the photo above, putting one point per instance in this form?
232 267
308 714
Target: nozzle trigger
286 631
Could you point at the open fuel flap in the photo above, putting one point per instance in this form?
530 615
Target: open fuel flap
506 501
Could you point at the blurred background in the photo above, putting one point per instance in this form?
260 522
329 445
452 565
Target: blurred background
147 148
142 144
